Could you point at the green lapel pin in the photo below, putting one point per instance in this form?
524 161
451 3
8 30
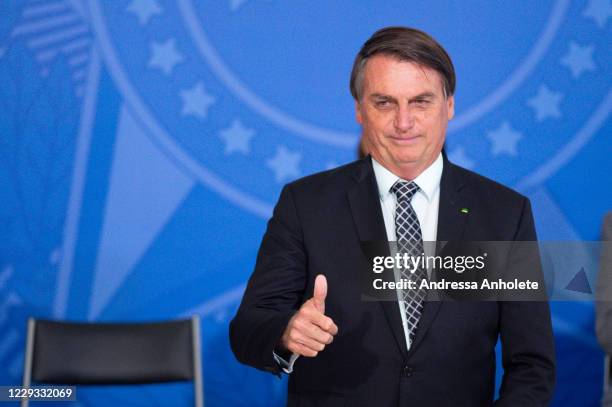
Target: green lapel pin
464 210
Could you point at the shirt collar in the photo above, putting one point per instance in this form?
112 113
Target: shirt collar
428 181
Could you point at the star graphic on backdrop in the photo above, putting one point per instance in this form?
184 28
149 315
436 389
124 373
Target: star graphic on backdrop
285 164
196 101
599 10
144 10
504 139
237 138
459 156
165 56
579 59
546 103
236 4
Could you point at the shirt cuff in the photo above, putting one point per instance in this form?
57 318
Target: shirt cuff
286 366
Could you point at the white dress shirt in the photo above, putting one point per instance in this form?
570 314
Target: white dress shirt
425 202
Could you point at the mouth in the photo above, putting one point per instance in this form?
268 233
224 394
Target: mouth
405 139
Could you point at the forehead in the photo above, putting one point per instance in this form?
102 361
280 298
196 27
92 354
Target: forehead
390 75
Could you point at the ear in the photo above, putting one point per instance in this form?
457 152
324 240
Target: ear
358 115
450 106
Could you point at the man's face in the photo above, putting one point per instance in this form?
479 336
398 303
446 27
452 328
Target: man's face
403 114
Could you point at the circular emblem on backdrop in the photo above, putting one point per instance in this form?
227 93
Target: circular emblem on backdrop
250 94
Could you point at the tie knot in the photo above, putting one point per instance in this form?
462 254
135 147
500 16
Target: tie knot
404 190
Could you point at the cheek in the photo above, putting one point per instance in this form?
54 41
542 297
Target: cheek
375 125
436 123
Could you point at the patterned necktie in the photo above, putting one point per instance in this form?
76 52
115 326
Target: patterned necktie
410 242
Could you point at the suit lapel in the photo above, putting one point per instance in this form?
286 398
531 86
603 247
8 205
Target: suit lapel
367 214
451 225
369 222
451 221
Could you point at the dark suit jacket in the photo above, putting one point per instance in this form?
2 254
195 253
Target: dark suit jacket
317 226
603 295
604 287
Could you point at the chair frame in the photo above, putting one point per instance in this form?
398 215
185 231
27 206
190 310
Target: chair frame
606 381
196 352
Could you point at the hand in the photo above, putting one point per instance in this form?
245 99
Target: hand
309 330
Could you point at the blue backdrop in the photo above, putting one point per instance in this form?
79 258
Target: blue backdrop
143 144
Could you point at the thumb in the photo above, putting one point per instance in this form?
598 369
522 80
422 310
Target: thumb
320 292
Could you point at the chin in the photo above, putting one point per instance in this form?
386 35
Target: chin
407 159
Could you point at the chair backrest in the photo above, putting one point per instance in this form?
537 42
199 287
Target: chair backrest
114 353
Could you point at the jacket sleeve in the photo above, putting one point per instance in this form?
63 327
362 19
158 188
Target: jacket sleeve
275 290
527 342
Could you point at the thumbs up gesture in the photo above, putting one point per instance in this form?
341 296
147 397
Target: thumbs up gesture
320 292
309 330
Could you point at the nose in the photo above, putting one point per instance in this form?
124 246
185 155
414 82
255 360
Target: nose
404 119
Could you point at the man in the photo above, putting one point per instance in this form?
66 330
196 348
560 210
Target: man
302 310
603 305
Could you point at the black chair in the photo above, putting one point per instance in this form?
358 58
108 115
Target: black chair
607 376
71 353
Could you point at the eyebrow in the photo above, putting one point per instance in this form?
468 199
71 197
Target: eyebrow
380 96
424 95
421 96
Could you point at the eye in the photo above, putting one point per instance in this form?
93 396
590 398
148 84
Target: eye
382 103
